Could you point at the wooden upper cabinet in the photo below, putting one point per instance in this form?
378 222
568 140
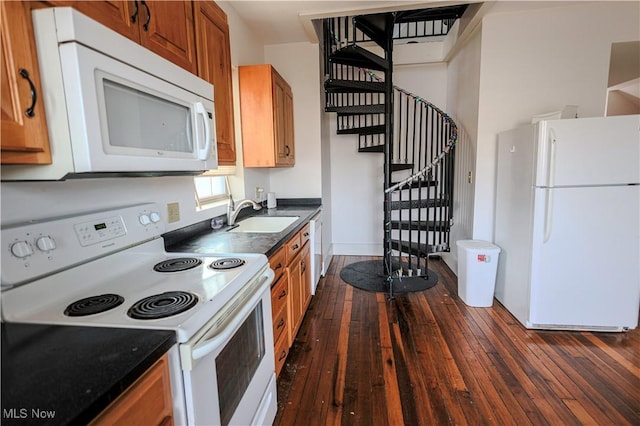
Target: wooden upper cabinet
24 137
285 148
214 65
164 27
266 107
121 16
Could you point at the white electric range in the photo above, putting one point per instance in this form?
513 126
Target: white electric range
110 268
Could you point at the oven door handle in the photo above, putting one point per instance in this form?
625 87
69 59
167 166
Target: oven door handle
210 343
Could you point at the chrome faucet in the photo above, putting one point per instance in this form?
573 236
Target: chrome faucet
233 209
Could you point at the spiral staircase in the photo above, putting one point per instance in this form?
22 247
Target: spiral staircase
416 138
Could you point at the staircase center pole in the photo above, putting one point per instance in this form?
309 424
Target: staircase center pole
388 149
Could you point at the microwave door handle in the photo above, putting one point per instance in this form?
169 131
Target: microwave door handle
209 344
203 154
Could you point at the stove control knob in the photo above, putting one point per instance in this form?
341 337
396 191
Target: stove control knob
21 249
155 217
45 243
144 219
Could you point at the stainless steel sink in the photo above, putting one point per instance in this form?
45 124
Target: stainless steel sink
266 224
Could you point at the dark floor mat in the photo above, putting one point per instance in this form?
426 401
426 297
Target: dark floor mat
369 275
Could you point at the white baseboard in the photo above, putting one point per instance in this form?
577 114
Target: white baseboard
451 261
358 249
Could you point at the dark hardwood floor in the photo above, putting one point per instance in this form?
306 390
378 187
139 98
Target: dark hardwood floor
428 359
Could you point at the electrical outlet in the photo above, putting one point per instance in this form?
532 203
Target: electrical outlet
259 192
173 212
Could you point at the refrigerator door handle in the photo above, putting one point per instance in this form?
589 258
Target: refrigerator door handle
548 215
551 171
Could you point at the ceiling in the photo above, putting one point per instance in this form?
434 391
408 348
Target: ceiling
280 22
289 21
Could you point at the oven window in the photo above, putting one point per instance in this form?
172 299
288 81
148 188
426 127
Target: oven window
238 362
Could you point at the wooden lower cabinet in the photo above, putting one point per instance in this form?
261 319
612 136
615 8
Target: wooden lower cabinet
291 293
146 402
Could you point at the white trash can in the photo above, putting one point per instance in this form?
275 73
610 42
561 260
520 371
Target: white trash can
477 267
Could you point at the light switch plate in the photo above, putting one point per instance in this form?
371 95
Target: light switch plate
173 212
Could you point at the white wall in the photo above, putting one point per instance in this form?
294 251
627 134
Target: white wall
463 91
537 61
298 63
357 178
246 49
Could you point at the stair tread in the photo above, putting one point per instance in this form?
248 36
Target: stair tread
356 109
374 148
423 225
365 130
417 183
415 248
377 26
357 56
419 204
401 166
353 86
431 14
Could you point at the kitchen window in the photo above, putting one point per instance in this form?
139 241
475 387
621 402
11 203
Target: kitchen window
212 187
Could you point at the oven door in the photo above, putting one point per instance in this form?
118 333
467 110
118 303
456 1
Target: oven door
228 367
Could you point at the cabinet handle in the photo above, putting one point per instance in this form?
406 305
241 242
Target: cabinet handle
282 356
304 266
278 266
34 95
134 17
145 26
287 150
280 323
306 234
295 247
283 294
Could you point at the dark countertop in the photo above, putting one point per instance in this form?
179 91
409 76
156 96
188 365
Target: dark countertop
209 241
71 373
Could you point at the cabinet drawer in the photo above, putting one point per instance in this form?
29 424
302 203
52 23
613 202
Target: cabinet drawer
293 246
277 261
280 319
281 350
305 234
279 295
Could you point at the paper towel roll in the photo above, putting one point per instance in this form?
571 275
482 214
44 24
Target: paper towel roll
271 200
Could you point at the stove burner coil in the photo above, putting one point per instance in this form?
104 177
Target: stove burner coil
227 263
162 305
93 305
178 264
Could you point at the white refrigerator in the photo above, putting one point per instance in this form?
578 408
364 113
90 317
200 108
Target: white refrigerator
568 223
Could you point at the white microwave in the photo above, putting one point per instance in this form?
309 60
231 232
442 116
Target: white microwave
114 108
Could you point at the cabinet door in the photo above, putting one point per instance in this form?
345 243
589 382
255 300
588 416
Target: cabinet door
166 28
283 116
146 402
305 279
24 129
289 144
214 65
295 298
121 16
